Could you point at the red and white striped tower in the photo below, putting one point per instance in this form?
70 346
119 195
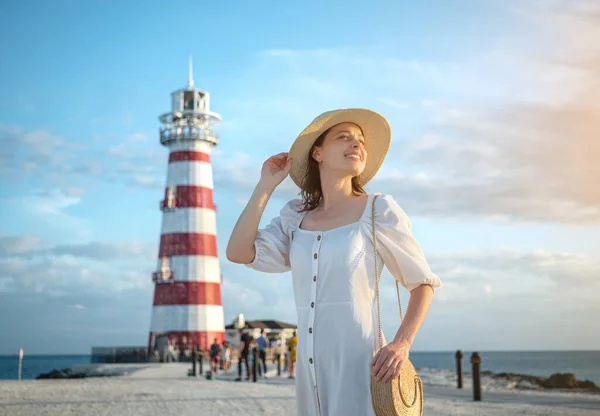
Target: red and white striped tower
187 308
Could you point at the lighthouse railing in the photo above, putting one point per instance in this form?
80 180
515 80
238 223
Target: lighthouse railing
171 133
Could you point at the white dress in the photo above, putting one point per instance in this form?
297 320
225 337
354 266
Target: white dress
334 289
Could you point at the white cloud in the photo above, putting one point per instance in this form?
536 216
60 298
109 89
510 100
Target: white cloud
533 164
493 299
137 164
19 245
266 297
124 120
534 282
138 137
29 266
514 139
29 246
238 171
392 102
49 157
61 270
147 181
50 202
242 295
46 159
33 148
51 206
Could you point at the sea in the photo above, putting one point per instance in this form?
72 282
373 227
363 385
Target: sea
435 368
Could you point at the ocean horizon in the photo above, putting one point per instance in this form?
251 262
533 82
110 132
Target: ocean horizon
584 364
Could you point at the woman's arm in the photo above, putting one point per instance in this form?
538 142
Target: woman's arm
389 360
240 248
418 306
405 260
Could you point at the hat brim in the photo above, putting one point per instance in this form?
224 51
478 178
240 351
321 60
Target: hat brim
376 131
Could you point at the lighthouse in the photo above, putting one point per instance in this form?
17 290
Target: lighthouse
187 310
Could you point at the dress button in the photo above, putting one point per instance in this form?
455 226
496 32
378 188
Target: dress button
312 304
310 330
315 256
310 360
318 237
314 278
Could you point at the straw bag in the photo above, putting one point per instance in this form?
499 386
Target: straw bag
402 396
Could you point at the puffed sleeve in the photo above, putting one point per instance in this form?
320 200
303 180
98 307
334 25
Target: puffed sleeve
399 250
272 243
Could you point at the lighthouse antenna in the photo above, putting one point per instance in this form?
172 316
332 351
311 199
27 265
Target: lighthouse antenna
190 74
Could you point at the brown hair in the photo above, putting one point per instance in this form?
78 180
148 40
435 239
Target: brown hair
311 182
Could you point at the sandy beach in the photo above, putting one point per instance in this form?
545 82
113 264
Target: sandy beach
165 389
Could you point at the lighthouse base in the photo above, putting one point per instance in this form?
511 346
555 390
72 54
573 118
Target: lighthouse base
184 341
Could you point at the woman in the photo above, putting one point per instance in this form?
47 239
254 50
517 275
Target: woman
325 239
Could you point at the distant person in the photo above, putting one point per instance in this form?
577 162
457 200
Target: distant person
243 355
215 353
262 350
292 344
325 239
221 355
226 356
255 360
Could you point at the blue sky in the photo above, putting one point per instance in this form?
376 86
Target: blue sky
495 146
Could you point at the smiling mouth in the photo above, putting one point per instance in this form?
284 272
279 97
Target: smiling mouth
356 158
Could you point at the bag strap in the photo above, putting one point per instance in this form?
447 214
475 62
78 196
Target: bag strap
377 277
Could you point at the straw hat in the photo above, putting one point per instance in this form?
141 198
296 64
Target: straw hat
374 126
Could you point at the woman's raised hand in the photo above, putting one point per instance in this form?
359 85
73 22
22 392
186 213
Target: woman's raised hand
275 169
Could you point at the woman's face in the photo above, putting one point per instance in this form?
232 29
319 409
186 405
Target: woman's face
343 150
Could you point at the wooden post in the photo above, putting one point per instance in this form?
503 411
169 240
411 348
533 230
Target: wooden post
20 362
475 361
459 370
